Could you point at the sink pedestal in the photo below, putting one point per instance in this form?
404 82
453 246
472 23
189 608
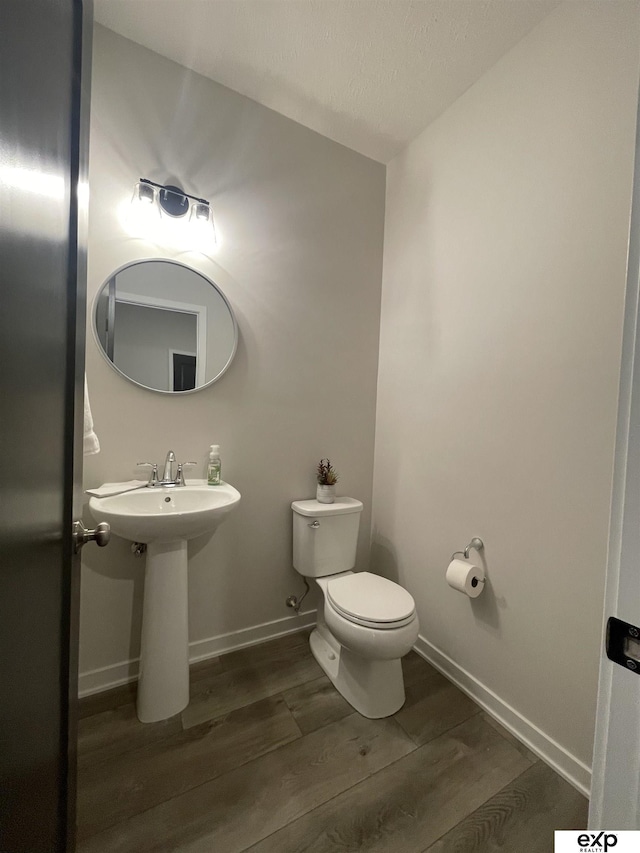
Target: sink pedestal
165 518
163 683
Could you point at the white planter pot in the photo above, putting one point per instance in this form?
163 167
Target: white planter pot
325 494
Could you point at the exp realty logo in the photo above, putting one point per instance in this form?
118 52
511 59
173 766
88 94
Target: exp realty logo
596 842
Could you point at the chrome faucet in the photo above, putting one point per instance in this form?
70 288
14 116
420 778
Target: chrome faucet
168 477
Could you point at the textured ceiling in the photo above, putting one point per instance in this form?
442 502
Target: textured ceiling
371 74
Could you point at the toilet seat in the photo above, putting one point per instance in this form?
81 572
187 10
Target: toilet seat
370 600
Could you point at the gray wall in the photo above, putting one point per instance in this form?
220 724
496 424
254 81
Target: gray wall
503 288
300 220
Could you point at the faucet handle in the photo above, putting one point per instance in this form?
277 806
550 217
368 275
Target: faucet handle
180 472
153 476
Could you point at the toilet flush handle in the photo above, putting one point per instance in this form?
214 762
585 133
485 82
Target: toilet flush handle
314 524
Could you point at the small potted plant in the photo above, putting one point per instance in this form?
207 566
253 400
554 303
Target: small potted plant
327 479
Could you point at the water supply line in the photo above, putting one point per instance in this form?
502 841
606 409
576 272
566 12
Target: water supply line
292 601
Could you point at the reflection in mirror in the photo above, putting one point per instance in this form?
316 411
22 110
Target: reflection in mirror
165 326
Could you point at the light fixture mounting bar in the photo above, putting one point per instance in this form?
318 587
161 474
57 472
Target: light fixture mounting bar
175 190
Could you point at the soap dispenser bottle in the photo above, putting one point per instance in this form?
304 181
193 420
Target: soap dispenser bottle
214 467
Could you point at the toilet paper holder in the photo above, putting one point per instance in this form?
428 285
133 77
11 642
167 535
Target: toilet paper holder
476 543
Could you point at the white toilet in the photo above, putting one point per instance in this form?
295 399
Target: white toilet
367 622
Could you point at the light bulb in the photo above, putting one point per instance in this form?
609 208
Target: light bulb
201 227
144 216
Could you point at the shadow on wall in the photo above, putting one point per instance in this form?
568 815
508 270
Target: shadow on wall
485 608
118 563
383 560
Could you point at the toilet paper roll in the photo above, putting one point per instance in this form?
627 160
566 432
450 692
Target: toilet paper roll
465 577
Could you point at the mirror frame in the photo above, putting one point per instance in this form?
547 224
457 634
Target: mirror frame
114 366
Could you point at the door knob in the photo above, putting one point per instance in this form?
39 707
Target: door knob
100 535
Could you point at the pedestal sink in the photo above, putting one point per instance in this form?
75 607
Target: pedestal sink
165 518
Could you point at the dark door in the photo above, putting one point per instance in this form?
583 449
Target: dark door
184 372
41 364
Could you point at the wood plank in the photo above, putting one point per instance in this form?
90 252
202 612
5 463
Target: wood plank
282 650
315 704
107 700
522 748
110 733
246 682
522 816
409 804
433 706
416 668
242 806
145 777
204 669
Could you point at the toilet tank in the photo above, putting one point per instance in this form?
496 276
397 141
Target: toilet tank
325 536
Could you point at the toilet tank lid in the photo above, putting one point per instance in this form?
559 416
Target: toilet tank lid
313 508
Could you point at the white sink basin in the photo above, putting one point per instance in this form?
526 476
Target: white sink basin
165 514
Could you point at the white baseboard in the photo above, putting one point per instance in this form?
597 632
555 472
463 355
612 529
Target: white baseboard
106 677
550 751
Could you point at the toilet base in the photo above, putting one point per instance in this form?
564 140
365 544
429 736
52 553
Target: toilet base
375 688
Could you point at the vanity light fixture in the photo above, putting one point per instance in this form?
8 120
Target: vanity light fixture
152 201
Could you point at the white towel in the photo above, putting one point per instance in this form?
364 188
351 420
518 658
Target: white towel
90 443
108 489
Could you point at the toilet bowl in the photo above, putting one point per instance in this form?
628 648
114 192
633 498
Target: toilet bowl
366 623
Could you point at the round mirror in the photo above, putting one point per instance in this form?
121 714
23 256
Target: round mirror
165 326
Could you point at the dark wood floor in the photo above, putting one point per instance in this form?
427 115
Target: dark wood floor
269 758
